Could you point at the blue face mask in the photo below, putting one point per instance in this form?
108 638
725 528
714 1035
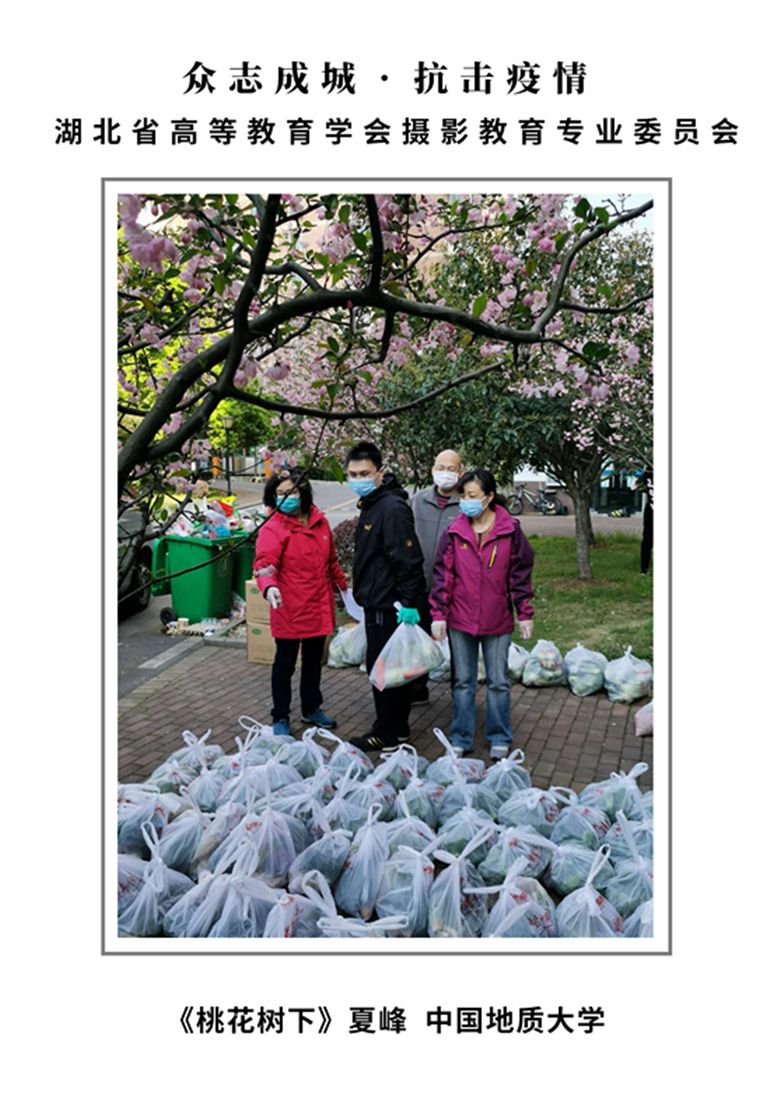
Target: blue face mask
361 486
288 505
472 507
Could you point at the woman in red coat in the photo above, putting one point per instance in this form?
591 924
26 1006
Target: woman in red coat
296 569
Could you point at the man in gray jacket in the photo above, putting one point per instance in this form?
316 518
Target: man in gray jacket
434 509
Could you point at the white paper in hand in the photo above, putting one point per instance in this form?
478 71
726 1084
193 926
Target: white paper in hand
351 606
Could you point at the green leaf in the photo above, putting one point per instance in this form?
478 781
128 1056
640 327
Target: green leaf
604 290
530 266
582 209
601 215
344 214
332 344
219 283
394 288
360 240
232 199
479 305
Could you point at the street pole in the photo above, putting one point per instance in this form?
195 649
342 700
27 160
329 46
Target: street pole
227 457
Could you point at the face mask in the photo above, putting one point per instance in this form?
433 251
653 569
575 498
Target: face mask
445 480
472 507
361 486
288 505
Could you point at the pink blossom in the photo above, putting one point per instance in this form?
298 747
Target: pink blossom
632 354
192 294
279 371
581 376
508 296
546 245
599 392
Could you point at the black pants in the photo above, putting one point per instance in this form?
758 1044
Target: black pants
392 706
647 538
282 674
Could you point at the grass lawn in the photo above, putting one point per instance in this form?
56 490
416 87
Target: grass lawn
611 612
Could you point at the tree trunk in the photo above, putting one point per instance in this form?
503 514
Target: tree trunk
583 532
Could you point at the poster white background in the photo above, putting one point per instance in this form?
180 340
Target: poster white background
104 1032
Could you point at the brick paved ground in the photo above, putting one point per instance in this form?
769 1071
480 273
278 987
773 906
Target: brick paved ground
567 740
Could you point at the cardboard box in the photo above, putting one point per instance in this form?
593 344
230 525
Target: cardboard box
257 608
260 646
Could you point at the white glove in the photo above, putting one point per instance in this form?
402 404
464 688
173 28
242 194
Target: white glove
439 631
526 628
274 597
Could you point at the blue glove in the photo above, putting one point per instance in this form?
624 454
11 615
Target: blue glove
409 614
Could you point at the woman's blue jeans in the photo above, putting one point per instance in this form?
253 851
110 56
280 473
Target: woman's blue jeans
465 650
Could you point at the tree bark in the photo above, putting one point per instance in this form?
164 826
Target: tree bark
583 532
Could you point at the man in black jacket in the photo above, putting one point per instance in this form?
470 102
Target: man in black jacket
387 569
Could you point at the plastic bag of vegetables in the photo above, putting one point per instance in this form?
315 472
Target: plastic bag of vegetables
340 812
161 887
619 791
155 811
131 870
584 824
374 791
181 838
640 923
275 838
450 765
421 799
345 755
408 653
459 832
523 907
348 646
246 906
442 673
632 883
461 794
304 755
641 834
358 884
205 789
516 664
511 845
196 751
544 666
408 830
326 855
453 912
628 678
586 912
569 867
399 767
530 808
584 670
337 926
507 776
643 721
405 888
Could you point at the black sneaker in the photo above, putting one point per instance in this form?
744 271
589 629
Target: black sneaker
373 743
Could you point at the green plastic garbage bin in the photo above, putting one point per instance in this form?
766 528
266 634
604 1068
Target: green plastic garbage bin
243 559
205 593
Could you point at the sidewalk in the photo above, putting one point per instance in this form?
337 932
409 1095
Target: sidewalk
568 740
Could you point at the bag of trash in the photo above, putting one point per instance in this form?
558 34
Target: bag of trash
181 838
530 808
523 907
628 678
408 830
459 831
586 912
641 833
400 766
507 776
444 670
513 844
374 791
347 647
640 923
584 824
516 663
408 653
544 666
446 769
632 883
130 878
421 799
569 867
358 883
326 855
461 794
584 670
643 721
161 887
453 910
405 888
619 791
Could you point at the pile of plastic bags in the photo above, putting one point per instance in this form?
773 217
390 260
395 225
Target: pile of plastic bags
312 838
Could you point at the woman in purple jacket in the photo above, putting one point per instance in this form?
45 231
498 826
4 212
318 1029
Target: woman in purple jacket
483 565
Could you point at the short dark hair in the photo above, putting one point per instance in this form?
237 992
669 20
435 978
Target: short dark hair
487 483
365 450
302 485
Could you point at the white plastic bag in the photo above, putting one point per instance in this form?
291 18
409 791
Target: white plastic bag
628 678
516 663
446 769
161 887
408 830
531 808
408 653
444 670
507 776
585 824
641 833
511 845
459 832
640 923
405 889
544 666
355 927
632 884
619 791
453 912
181 837
358 883
400 766
348 647
643 721
326 855
584 670
569 868
586 912
523 907
461 794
